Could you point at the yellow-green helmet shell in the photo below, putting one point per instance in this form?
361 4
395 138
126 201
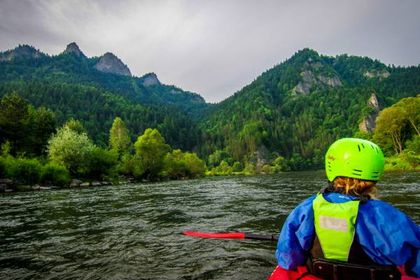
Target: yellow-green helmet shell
354 158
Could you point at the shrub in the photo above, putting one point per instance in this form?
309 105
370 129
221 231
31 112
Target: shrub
101 163
53 173
24 171
183 165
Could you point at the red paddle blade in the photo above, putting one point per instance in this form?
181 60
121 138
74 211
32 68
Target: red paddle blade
234 235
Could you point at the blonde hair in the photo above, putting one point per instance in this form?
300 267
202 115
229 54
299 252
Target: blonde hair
355 187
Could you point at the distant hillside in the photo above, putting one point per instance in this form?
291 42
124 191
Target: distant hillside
290 113
97 89
108 72
297 108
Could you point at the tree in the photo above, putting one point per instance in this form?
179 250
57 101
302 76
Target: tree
101 163
411 106
182 165
14 119
195 166
389 128
119 138
43 125
76 126
398 123
150 153
71 149
26 128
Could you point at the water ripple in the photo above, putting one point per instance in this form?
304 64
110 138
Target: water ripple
133 231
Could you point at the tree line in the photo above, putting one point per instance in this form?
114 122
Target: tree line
33 151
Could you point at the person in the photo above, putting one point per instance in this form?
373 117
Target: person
344 232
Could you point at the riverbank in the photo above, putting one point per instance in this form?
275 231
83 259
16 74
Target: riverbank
403 162
8 185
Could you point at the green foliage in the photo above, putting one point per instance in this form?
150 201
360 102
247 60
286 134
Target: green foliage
75 126
279 164
55 174
413 145
150 153
179 165
119 138
25 128
101 164
22 170
222 169
127 165
269 115
71 149
73 88
14 120
250 169
217 157
42 126
398 124
3 167
402 162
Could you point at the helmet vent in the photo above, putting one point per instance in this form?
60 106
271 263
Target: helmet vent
375 175
357 172
358 146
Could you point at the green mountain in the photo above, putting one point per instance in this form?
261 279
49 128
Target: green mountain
96 90
291 112
299 107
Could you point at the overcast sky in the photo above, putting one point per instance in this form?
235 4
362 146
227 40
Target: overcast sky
215 47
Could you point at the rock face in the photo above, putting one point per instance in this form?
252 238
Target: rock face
381 74
73 48
109 63
22 51
150 79
369 123
310 81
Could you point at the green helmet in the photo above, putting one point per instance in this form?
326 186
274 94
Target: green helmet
354 158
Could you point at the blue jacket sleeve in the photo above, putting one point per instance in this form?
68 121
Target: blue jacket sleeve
296 236
388 236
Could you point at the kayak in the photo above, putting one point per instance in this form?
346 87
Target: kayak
302 273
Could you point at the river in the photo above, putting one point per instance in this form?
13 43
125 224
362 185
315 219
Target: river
134 231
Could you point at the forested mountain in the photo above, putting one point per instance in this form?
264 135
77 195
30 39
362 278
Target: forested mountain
287 116
297 108
96 90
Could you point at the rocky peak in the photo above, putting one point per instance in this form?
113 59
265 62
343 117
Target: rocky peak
73 48
109 63
150 79
369 123
22 51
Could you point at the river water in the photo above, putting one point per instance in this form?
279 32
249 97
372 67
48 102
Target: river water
134 231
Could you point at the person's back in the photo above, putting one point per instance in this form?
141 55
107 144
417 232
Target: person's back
344 232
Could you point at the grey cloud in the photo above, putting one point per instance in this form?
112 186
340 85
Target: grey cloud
215 47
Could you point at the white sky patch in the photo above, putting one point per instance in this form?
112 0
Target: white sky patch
214 47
